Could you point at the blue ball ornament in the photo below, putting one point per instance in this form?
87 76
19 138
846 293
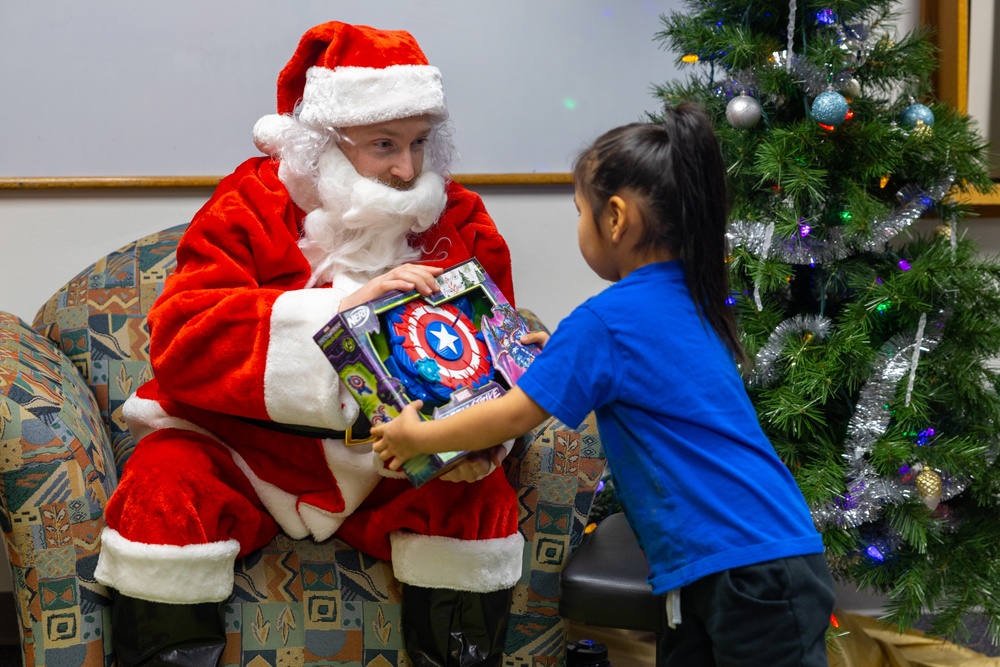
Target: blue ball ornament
914 114
829 108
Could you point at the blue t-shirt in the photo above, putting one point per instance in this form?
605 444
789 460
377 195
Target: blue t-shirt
701 484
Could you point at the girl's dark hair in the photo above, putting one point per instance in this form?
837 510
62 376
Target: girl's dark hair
675 172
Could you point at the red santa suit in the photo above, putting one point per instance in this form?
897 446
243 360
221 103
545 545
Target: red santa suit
232 352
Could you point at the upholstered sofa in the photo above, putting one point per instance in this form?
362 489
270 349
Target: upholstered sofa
63 380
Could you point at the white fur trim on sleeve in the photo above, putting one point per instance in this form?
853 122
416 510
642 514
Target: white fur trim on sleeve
479 566
167 573
300 385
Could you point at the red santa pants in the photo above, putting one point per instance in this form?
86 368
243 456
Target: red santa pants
184 488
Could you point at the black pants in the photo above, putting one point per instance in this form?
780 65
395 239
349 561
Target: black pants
770 614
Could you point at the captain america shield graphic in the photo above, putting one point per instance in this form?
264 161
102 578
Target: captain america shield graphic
438 348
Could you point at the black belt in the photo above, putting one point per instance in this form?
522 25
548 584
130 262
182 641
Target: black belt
357 433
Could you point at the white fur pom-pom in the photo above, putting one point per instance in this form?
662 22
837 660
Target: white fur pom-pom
269 133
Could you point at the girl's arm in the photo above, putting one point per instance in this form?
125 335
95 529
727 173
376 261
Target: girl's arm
480 426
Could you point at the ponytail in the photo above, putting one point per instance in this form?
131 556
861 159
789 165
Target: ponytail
676 172
700 212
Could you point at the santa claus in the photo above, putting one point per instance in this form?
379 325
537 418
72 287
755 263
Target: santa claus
241 431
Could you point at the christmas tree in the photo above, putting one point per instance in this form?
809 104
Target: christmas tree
871 342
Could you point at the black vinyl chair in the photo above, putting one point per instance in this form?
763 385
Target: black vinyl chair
604 583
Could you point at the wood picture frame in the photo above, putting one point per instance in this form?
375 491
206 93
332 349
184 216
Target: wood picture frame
950 20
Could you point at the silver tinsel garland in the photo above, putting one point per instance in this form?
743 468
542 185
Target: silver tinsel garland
867 492
838 243
811 78
765 361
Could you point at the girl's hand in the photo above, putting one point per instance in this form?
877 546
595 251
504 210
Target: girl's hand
402 278
539 338
396 440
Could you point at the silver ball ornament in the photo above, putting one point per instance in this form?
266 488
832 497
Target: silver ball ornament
829 108
743 112
851 88
858 31
855 54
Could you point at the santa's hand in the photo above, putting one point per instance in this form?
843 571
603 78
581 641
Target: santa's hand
403 278
476 465
395 440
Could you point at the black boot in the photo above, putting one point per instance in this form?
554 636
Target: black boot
156 634
446 628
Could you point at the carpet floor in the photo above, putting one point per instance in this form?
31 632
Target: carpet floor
638 649
627 648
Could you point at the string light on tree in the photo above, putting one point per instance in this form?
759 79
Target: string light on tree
826 17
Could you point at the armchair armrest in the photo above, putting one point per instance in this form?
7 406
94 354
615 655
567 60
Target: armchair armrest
57 472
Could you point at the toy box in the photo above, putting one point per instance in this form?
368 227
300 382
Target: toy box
452 349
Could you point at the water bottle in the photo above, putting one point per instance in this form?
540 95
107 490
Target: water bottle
587 653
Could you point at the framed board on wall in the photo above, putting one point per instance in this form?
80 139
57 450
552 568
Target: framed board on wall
984 74
962 51
136 90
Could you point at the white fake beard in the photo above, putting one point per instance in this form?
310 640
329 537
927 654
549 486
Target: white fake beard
362 226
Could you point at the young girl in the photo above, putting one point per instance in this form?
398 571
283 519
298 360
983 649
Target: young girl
726 531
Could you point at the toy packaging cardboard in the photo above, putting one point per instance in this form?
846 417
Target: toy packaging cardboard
452 349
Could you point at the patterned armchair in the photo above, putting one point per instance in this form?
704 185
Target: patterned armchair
296 602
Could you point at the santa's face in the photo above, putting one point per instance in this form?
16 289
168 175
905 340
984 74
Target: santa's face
391 152
366 208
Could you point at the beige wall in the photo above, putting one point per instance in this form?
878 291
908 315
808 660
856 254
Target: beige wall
47 238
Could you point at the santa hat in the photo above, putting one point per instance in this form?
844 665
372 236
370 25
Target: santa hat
345 75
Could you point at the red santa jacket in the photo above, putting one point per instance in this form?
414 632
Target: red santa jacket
232 337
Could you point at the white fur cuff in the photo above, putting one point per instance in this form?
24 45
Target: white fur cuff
479 566
167 573
300 385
